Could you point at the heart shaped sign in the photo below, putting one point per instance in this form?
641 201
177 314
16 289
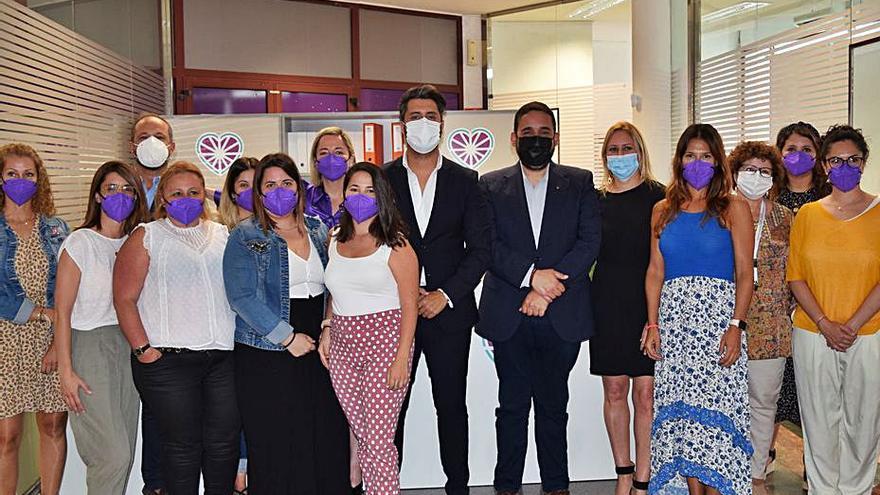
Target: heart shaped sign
218 151
471 147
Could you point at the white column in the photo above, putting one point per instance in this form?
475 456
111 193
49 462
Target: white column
472 75
652 83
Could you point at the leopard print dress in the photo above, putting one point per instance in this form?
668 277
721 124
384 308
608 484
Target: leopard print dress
23 388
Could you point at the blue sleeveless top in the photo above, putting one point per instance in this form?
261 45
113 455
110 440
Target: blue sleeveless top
691 248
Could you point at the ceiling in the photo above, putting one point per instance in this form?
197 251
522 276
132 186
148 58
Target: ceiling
464 7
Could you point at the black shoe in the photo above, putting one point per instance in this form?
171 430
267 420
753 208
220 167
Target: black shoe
357 490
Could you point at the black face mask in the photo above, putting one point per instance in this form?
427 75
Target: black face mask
534 152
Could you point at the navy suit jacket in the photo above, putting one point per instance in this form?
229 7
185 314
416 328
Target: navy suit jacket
455 250
568 243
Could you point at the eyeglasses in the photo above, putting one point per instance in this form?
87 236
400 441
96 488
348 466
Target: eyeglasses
763 172
855 161
117 188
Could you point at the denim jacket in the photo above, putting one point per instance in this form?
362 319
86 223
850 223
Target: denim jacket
255 273
14 304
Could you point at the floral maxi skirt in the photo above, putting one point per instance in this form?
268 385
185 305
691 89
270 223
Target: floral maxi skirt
701 409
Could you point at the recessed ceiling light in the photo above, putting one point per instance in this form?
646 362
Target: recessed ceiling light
733 11
593 7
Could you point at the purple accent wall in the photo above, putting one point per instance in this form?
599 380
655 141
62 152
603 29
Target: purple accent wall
389 99
313 102
228 101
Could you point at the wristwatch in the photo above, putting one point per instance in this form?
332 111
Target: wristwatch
138 352
738 324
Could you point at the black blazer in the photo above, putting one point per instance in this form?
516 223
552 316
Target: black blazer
456 249
569 242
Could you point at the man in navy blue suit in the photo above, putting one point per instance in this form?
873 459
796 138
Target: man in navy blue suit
535 304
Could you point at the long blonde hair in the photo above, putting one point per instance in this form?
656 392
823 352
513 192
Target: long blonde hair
42 202
641 151
315 176
228 211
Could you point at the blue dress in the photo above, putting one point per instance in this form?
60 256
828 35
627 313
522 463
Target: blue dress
701 409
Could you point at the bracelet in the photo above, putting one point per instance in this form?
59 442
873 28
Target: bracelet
823 317
325 324
652 325
292 338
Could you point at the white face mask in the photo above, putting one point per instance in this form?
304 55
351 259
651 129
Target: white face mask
423 135
152 153
752 185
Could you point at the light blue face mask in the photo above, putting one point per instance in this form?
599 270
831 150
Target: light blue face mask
623 167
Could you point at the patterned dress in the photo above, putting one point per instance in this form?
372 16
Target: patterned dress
787 408
23 388
701 409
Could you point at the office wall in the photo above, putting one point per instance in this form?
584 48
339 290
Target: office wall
69 97
268 36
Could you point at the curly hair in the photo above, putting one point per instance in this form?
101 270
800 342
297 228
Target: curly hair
842 132
677 193
747 150
42 202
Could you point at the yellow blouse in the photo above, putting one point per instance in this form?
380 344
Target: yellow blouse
839 260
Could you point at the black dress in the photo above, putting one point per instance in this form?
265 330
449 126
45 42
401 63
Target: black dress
787 406
619 302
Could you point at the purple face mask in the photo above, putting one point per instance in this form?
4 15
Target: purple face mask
361 207
280 201
332 167
245 199
118 206
698 173
185 210
20 191
798 162
845 177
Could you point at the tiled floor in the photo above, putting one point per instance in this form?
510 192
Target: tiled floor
786 480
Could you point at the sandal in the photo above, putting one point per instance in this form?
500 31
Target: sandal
243 491
641 486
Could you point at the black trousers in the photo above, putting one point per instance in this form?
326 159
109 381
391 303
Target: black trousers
192 396
151 450
533 366
297 435
446 352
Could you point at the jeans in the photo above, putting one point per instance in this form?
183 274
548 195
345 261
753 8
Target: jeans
192 395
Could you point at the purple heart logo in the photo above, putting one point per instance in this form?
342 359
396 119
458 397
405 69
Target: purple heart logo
218 151
471 147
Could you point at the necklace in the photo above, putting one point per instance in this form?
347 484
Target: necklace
24 223
841 207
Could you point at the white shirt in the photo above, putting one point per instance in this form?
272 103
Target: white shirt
423 201
536 196
94 255
361 286
306 277
183 302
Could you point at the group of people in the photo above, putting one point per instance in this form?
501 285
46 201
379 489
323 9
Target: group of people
273 345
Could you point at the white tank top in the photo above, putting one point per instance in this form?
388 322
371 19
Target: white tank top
361 286
183 302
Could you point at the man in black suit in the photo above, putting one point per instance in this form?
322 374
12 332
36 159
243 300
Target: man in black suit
535 304
447 216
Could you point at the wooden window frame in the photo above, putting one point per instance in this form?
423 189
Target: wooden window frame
185 78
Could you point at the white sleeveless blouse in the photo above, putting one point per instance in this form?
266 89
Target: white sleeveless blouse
183 303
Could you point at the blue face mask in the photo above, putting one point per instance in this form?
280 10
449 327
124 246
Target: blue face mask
622 167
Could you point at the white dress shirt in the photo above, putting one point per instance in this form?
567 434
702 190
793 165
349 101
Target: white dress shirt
423 205
422 200
536 196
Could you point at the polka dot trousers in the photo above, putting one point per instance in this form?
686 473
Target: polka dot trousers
363 348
